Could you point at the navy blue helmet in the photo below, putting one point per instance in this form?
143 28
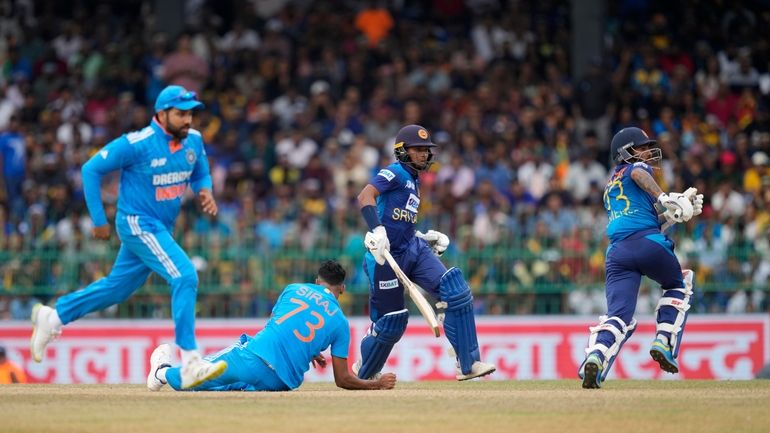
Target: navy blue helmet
628 138
412 136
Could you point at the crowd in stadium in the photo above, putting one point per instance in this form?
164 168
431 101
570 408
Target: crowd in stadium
303 100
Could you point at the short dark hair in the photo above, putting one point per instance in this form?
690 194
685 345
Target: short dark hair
332 272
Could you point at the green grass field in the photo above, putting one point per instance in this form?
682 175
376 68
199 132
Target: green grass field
485 406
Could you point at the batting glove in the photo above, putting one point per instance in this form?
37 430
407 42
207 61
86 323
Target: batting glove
678 206
437 241
377 243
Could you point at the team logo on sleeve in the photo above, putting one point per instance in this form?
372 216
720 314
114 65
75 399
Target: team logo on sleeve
190 156
387 174
413 203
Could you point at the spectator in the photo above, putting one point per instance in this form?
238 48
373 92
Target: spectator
594 97
185 68
375 22
10 372
304 105
582 174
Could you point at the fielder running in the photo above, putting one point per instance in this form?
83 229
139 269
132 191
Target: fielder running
306 320
639 247
389 204
157 164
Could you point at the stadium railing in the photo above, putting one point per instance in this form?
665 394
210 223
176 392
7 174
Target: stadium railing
239 282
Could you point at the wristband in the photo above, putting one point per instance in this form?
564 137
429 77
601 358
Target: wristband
370 216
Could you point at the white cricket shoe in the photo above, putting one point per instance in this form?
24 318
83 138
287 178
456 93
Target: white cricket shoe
160 358
42 331
478 369
357 366
197 370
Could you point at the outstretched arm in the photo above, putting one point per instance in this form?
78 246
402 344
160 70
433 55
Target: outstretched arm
344 379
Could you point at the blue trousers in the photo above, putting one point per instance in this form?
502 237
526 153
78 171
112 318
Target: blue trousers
245 372
386 294
648 253
145 247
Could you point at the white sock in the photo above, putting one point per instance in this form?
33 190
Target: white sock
663 338
160 374
187 355
54 320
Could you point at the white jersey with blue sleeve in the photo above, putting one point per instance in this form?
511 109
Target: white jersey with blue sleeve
306 319
155 172
630 209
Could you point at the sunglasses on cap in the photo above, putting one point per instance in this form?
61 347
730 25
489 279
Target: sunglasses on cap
186 96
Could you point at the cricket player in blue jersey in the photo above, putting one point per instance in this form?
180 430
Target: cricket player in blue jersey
636 207
389 204
306 320
157 164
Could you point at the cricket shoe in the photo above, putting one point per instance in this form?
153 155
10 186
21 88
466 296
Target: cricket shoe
42 331
661 353
160 358
197 370
357 366
478 369
591 372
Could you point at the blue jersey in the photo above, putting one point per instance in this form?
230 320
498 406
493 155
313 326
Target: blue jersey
12 148
155 173
630 209
306 320
397 204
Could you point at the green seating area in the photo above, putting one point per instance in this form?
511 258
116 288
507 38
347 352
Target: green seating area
522 278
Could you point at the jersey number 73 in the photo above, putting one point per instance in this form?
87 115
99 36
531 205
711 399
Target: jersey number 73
311 327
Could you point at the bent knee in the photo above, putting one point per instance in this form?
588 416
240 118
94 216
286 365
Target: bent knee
187 279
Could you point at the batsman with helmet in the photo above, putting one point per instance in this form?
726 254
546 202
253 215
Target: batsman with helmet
389 204
639 246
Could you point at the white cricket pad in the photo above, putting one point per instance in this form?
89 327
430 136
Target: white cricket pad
682 306
619 333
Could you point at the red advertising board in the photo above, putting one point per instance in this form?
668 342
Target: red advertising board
531 347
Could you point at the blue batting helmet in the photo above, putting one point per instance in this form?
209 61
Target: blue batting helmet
412 136
625 140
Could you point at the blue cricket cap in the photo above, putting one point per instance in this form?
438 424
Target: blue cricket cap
177 97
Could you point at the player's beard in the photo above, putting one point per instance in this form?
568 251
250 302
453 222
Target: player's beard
419 166
179 133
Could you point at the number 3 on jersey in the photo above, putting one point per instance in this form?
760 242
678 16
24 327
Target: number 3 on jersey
301 306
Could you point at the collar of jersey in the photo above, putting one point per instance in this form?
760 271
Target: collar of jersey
328 294
412 172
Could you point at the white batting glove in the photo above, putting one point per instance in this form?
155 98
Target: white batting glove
696 200
697 205
678 206
377 242
437 241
